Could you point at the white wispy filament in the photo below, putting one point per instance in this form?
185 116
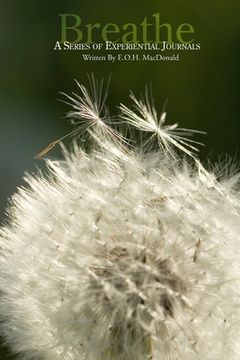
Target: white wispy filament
147 120
120 253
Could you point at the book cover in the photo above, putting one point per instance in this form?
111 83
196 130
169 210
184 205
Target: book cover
185 53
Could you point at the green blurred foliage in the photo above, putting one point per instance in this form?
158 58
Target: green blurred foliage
203 88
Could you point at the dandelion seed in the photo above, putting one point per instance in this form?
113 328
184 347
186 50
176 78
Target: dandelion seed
147 120
89 114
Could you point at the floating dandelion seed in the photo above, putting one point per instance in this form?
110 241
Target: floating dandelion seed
89 112
147 120
122 254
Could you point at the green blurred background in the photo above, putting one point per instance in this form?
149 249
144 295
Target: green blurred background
203 88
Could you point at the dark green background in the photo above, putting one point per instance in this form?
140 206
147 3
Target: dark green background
203 88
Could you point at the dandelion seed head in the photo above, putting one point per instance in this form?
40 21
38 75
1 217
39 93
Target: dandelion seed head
122 254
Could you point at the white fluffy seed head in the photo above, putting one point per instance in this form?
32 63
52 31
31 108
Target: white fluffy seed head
121 254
